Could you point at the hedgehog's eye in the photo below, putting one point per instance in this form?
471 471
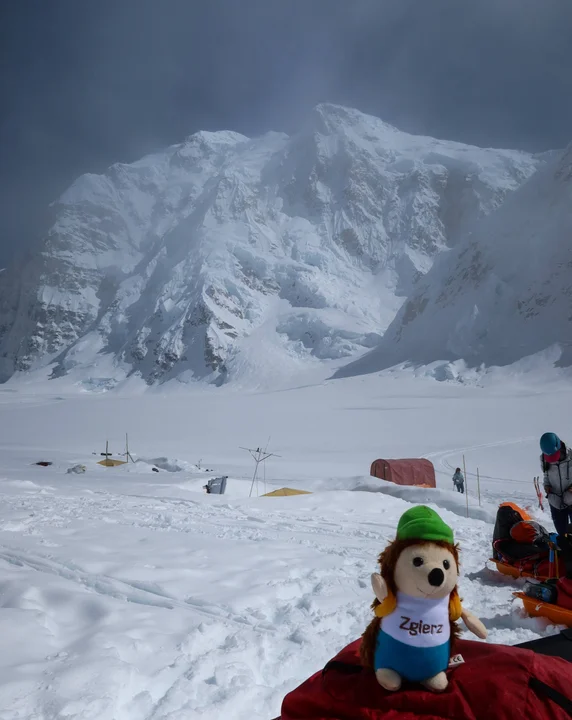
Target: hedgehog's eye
446 564
418 561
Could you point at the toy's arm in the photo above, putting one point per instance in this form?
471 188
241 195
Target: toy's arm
379 587
474 624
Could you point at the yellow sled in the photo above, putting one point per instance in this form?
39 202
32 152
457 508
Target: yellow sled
516 572
539 608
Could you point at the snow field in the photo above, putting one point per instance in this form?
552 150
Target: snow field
131 595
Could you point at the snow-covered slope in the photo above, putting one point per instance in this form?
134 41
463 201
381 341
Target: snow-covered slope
131 595
225 255
501 295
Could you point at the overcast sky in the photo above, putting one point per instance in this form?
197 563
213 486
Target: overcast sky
85 83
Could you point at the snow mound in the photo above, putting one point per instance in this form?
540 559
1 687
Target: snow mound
437 498
171 465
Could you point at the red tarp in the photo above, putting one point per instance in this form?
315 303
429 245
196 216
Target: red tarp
495 681
405 472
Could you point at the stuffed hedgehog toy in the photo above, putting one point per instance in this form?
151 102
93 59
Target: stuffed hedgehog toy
417 605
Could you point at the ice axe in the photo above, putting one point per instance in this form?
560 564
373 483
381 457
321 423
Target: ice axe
538 492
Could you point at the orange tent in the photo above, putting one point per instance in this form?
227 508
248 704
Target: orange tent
419 472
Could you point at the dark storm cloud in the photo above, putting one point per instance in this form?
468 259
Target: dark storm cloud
83 84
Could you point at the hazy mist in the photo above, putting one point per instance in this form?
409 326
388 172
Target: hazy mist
85 84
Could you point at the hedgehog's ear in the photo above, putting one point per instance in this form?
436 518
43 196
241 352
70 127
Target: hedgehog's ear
379 587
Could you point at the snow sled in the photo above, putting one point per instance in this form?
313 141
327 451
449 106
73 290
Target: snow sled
494 681
522 547
538 608
536 571
551 600
511 570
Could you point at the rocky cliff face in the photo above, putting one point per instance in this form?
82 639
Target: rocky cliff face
169 266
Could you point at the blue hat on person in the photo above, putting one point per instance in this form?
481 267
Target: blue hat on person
550 443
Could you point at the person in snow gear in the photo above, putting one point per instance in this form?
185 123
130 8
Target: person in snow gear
416 605
459 480
556 464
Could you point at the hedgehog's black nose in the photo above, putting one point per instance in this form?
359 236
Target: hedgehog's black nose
436 577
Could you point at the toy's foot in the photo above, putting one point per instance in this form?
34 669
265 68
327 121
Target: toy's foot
437 683
388 679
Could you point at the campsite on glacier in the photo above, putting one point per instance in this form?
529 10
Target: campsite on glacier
129 594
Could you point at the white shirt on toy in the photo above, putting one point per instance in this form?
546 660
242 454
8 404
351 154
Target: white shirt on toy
419 622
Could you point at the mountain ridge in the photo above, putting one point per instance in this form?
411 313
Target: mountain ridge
501 295
168 264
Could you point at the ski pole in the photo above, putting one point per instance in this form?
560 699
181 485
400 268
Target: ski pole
552 540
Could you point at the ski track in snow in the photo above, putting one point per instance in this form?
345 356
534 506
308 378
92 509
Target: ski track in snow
443 457
223 631
127 595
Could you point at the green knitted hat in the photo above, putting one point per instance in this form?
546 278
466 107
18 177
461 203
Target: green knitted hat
422 523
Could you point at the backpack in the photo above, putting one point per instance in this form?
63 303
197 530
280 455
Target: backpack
508 515
517 539
495 681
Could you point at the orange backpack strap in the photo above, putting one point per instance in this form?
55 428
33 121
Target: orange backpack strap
387 606
455 607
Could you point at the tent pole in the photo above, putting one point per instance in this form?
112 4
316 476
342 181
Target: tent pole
127 453
466 484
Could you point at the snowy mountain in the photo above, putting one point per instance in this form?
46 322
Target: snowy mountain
225 255
503 294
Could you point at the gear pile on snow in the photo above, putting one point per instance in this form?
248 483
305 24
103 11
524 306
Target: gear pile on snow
521 546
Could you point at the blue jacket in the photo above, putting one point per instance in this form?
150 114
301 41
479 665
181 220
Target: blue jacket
458 478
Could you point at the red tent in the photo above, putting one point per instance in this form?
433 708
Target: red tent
416 471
